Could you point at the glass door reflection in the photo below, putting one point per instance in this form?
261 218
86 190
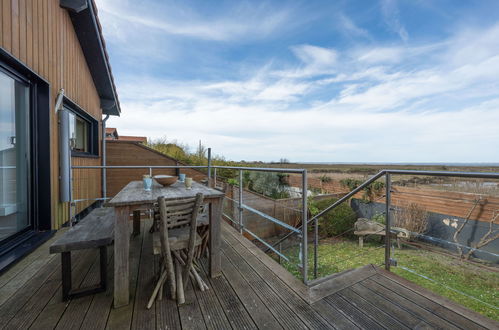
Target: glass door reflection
14 193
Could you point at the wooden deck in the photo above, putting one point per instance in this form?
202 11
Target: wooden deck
253 292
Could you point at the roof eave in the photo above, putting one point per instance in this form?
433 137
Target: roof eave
86 25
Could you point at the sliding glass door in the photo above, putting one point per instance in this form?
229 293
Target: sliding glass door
14 156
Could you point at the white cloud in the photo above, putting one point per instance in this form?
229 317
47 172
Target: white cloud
314 61
390 12
399 102
348 26
174 19
382 54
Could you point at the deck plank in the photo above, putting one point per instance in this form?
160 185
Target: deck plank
237 315
9 309
387 305
249 294
33 271
260 314
98 312
284 314
302 309
334 316
357 316
77 308
473 316
144 318
167 316
190 313
371 310
28 266
213 312
430 305
294 283
121 318
408 305
27 315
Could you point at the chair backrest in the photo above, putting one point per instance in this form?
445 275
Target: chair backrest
180 212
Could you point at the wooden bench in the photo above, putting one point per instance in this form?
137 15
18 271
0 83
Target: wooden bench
396 233
96 230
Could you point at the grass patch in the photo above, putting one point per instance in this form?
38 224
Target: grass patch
473 280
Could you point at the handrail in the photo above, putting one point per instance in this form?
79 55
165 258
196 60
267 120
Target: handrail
347 196
259 169
475 175
332 206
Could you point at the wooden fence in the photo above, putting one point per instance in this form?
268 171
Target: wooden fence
456 204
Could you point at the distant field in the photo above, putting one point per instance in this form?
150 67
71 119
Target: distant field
364 171
372 169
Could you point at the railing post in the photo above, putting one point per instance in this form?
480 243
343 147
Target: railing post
209 167
316 243
150 172
240 201
388 187
304 226
214 177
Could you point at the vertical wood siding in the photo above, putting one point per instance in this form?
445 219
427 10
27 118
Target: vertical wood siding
40 34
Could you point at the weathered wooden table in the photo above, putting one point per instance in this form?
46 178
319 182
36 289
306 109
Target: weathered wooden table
132 197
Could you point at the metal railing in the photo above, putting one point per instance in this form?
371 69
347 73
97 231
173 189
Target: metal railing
300 231
387 174
240 202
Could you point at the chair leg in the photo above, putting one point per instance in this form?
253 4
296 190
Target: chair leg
156 289
193 274
180 285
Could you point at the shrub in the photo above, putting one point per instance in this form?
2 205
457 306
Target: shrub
370 192
325 179
379 217
337 221
412 217
268 184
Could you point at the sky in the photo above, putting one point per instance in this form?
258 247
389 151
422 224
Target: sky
310 81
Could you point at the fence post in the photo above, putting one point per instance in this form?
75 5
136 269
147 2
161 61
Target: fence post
304 227
388 187
214 177
240 201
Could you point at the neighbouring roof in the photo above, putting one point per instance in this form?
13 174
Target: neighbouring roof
112 134
83 14
132 138
111 130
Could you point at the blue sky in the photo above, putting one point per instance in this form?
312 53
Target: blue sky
338 81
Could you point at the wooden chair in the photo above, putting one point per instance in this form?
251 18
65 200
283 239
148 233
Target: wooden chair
179 241
202 223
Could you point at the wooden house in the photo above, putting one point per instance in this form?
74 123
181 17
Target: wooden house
46 46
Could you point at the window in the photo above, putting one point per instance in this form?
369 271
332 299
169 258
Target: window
78 132
83 131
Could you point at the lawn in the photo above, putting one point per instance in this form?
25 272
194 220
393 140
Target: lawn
445 272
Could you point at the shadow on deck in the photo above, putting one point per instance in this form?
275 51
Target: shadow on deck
253 292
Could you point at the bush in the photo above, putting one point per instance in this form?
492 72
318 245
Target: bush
268 184
412 217
379 218
337 221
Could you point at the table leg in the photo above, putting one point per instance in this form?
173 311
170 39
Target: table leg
215 236
121 256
